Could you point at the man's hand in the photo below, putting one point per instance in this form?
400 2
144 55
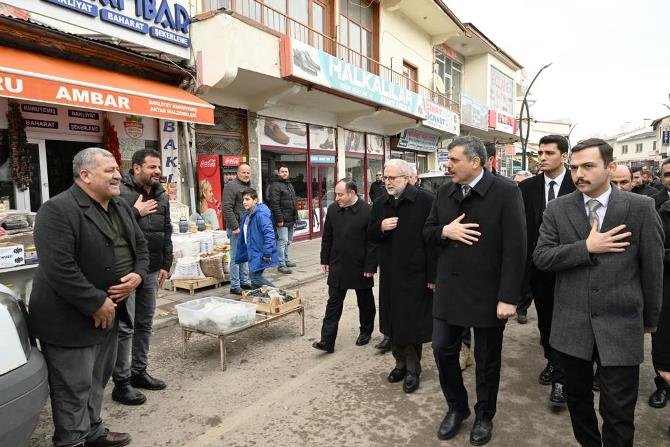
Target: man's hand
649 330
148 207
325 267
431 285
162 276
457 231
368 274
505 310
236 232
390 223
607 242
665 375
280 224
121 291
104 317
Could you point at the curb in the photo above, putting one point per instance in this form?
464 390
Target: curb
174 320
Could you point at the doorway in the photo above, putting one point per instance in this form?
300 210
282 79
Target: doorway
323 194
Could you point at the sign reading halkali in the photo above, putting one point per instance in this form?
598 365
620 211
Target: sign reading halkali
299 60
158 24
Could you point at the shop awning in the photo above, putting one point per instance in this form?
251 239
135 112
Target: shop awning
34 77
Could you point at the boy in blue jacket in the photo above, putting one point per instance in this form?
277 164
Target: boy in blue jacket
257 242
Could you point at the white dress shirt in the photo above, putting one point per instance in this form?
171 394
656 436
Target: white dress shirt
557 186
604 200
474 181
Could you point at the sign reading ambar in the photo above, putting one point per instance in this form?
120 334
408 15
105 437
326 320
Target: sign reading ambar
301 61
158 24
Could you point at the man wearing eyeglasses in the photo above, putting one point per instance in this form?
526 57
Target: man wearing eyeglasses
406 271
377 187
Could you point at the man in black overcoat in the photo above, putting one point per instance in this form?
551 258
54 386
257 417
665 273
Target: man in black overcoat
406 270
537 191
477 222
350 260
92 257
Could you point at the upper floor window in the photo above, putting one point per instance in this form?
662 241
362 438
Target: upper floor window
450 73
624 149
356 32
410 76
638 147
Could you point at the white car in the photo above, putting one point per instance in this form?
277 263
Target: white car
23 374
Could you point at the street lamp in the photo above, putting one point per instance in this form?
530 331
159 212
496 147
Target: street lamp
570 133
524 106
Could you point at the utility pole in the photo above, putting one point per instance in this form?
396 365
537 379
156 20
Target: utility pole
524 106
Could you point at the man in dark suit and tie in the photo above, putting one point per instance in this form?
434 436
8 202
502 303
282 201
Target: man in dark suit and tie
477 224
537 191
606 248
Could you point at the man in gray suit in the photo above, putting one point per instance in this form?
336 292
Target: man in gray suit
606 247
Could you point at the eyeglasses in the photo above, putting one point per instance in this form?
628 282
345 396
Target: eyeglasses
391 178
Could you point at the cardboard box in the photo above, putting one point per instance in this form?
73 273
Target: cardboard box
267 308
11 255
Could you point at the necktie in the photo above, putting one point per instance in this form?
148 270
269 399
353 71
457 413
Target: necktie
593 205
466 190
551 195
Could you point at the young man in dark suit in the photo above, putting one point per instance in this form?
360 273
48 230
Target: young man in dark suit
606 248
477 224
537 191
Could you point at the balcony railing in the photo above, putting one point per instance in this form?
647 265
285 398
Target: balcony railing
282 23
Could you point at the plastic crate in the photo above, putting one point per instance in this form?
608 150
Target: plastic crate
216 315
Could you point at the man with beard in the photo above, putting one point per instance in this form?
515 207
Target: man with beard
233 209
406 271
537 192
622 179
92 257
478 226
648 178
639 187
141 189
282 202
606 248
350 261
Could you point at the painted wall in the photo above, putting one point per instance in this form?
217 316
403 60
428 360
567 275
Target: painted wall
476 78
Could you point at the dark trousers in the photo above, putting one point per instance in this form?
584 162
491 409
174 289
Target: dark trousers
407 356
77 379
488 349
366 312
661 384
544 304
618 395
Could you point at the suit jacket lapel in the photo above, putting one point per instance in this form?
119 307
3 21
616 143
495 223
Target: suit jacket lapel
99 222
617 211
567 185
577 214
540 197
127 223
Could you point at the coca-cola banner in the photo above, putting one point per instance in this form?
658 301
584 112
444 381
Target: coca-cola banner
209 190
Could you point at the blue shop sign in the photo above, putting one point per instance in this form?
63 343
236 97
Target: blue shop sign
320 159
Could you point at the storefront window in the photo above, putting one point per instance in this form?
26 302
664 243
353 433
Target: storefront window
421 163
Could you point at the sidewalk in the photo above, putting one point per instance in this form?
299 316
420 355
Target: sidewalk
305 254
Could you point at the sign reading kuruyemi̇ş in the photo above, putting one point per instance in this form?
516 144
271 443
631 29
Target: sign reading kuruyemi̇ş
302 61
158 24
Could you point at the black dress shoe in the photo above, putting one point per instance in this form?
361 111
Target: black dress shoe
451 424
247 287
659 398
411 383
546 375
363 339
323 347
481 431
384 345
236 291
125 394
396 375
144 380
110 439
557 396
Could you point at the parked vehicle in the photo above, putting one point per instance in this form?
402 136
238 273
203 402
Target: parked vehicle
432 180
23 374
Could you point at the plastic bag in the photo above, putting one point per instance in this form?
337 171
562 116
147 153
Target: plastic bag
187 267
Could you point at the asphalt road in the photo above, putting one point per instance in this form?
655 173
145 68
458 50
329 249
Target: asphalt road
279 391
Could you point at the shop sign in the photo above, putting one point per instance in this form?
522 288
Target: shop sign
84 115
375 144
441 118
169 138
39 109
233 160
502 92
320 159
502 123
474 114
665 136
322 138
275 132
161 25
91 128
133 126
41 124
58 120
419 141
353 141
299 60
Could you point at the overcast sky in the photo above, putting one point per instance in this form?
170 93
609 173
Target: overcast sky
610 59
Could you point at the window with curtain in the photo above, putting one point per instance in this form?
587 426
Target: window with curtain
451 73
356 31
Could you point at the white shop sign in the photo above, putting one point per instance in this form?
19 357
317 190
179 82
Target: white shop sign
162 25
